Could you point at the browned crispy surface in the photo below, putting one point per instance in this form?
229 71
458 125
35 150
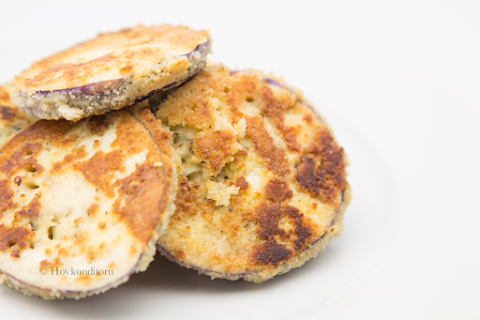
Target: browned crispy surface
90 192
28 178
186 198
12 235
119 53
277 190
141 193
264 146
253 212
270 253
101 168
32 210
322 171
242 183
6 195
274 108
189 104
214 147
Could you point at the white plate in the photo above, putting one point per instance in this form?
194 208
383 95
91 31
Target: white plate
398 81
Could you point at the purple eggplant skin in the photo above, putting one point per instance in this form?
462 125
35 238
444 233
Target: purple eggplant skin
94 88
100 97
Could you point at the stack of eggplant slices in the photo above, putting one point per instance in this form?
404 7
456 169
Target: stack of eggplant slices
132 142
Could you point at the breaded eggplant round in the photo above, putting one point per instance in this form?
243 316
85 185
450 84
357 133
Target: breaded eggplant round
261 180
12 120
110 72
82 204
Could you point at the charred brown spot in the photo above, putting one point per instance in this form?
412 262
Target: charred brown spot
275 109
306 175
268 216
186 197
32 210
7 113
270 252
308 118
322 172
264 146
215 146
302 229
17 180
15 253
241 183
10 236
277 190
15 157
6 195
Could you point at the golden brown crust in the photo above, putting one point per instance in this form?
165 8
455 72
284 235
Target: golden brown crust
265 147
6 195
31 210
189 104
77 204
241 183
186 198
275 108
322 171
74 67
141 195
277 190
245 214
215 147
270 252
14 236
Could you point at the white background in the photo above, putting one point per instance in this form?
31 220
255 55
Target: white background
399 82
